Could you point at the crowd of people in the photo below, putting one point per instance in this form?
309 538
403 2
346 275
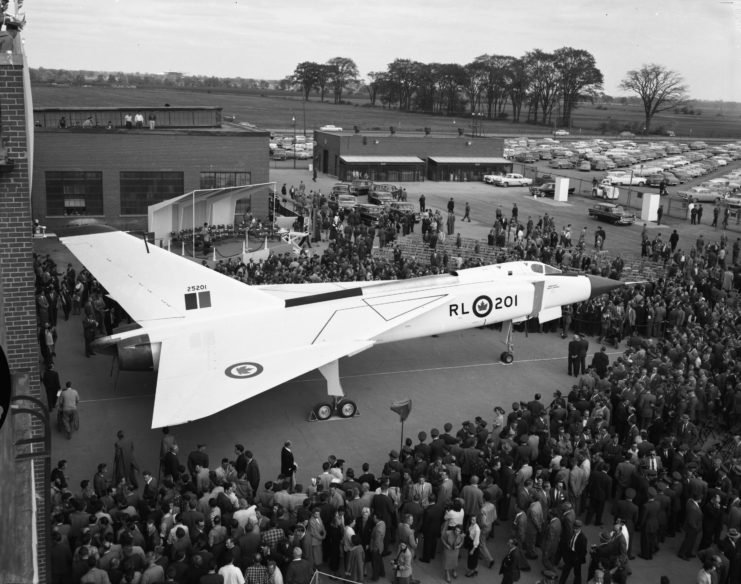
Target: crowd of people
636 446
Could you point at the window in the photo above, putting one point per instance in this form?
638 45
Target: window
223 179
139 190
74 193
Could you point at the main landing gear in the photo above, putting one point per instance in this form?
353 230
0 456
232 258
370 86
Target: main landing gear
339 406
509 355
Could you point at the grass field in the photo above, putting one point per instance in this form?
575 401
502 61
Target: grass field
274 111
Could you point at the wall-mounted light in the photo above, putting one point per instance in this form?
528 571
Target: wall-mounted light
375 142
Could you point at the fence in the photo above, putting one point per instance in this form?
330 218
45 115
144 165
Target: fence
632 197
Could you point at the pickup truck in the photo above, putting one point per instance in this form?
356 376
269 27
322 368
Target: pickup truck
546 190
605 190
511 179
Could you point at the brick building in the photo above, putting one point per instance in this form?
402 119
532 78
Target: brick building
22 555
113 173
409 157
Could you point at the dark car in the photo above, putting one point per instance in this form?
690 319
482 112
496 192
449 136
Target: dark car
362 187
547 190
379 198
343 189
611 213
654 180
369 214
392 189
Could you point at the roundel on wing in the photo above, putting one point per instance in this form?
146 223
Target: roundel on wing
482 306
243 370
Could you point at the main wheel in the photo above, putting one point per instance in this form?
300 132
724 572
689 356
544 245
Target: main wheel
507 357
346 408
322 411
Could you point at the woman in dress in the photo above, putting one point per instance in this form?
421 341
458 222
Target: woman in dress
452 538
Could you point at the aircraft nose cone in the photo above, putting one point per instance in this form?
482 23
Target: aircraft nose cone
602 285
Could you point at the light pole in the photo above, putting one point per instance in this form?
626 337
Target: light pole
304 105
293 121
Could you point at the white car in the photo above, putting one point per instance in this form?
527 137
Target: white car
561 133
627 179
512 179
330 128
702 195
490 178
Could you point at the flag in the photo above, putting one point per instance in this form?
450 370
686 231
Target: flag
403 408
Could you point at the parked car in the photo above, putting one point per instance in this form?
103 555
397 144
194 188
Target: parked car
512 179
369 214
611 213
546 190
330 128
391 189
341 201
627 179
362 186
561 132
701 195
379 198
585 166
342 188
563 163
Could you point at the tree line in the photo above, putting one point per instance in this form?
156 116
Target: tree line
547 87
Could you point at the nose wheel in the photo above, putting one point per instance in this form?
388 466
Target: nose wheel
338 408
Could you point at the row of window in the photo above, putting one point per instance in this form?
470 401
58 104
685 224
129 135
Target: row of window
81 192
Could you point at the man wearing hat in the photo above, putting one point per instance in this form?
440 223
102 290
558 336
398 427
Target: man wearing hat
649 525
574 554
197 457
730 545
573 356
627 511
692 526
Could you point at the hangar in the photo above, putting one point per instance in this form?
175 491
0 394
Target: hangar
88 163
408 157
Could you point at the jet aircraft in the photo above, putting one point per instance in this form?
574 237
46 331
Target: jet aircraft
215 342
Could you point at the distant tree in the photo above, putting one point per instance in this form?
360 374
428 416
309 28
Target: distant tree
544 78
306 76
659 89
516 81
376 80
323 78
404 78
495 88
476 79
579 78
342 70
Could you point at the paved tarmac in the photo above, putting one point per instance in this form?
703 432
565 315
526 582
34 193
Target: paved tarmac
452 378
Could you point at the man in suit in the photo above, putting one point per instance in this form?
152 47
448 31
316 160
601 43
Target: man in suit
252 472
600 489
574 356
692 526
730 545
574 554
627 511
299 571
649 525
288 465
432 520
510 568
583 349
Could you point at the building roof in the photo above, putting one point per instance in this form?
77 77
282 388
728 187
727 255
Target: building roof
381 159
468 160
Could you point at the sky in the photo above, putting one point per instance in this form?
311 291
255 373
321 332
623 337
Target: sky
266 39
